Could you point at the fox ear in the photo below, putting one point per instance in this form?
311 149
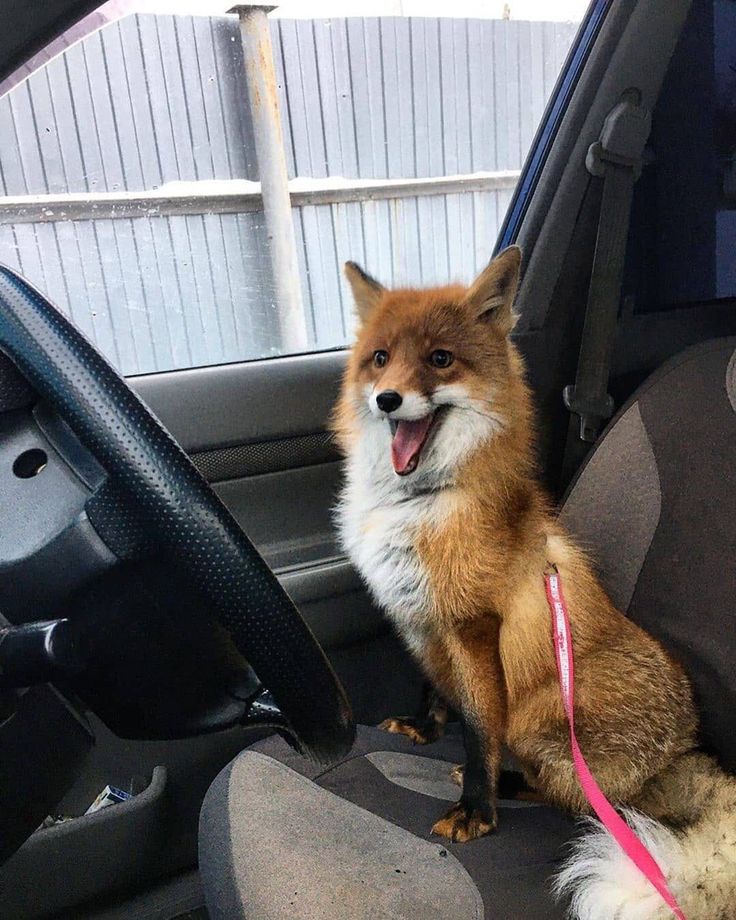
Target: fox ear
491 295
366 290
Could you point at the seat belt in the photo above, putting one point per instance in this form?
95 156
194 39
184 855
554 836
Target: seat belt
617 159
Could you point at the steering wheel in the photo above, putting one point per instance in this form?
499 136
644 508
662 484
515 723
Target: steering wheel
166 621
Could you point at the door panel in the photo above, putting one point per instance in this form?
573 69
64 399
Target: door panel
215 407
288 515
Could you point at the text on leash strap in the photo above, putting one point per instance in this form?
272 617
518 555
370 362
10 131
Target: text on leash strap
612 821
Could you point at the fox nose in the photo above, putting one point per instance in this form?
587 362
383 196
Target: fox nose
388 400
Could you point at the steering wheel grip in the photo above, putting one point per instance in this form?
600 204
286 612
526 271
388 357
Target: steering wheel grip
156 499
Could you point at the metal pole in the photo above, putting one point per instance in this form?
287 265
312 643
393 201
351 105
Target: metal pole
260 77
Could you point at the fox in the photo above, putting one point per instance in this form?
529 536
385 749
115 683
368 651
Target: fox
443 514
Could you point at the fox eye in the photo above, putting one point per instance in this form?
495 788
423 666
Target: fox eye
380 358
441 358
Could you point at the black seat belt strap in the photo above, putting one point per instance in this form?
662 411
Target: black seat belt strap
616 158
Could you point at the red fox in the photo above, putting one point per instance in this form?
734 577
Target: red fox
442 514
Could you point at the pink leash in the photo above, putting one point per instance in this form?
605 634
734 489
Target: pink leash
615 825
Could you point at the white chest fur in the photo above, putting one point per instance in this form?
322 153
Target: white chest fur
379 517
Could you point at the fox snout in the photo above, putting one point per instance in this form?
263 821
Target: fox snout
388 401
397 404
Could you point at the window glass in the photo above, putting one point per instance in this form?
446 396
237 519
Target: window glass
129 177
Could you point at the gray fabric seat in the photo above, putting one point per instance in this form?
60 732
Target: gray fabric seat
307 860
656 506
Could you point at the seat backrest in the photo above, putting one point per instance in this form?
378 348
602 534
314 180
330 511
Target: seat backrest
655 505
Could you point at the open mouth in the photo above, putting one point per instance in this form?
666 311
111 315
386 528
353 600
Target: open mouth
409 440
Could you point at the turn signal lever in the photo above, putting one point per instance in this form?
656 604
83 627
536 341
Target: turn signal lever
39 653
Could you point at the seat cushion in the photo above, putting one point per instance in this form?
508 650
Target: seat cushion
279 838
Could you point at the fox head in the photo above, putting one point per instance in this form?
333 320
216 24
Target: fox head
431 374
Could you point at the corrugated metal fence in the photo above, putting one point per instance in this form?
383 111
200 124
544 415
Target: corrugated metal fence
154 100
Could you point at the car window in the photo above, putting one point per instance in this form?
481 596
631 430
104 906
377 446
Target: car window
129 171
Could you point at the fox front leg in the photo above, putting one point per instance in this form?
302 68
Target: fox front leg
475 814
476 666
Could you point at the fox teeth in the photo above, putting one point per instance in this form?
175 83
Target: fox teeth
393 425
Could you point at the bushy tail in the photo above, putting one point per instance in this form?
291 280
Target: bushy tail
698 862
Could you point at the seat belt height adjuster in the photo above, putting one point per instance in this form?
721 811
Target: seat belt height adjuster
592 411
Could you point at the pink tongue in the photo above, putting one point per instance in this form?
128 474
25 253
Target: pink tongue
407 444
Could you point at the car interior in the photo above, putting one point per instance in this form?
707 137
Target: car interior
179 622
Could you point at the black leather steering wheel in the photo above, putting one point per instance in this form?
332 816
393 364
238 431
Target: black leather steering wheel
150 503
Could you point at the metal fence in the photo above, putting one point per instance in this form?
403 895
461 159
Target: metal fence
159 103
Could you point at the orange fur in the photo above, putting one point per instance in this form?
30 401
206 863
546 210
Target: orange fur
486 627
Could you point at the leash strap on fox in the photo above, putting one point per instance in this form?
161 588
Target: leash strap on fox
612 821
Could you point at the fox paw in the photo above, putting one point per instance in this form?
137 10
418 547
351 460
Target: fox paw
463 822
457 774
406 726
